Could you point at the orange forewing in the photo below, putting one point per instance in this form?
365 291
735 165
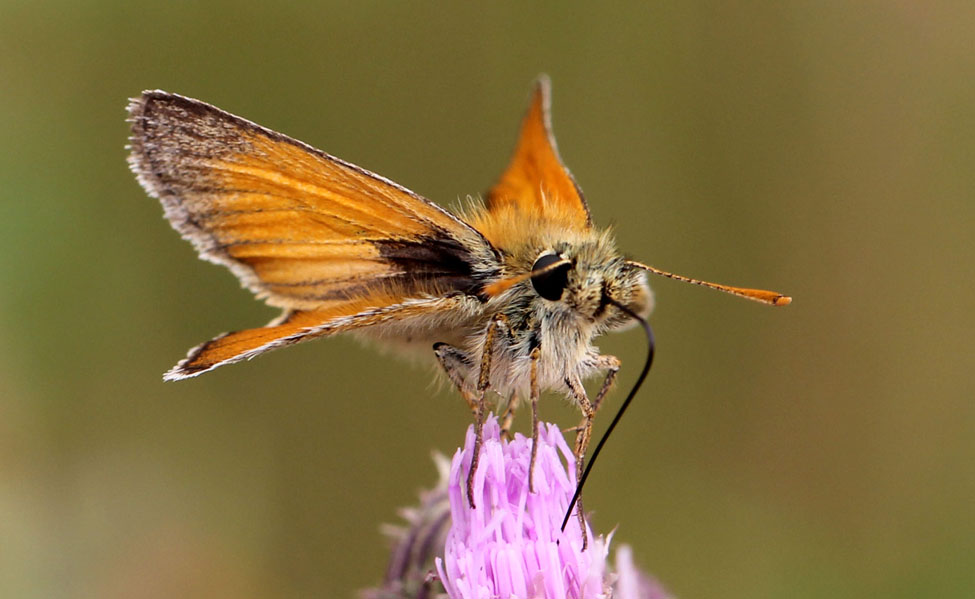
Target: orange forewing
335 245
536 182
297 226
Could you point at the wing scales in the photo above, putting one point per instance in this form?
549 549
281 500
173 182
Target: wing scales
336 246
293 223
298 326
536 183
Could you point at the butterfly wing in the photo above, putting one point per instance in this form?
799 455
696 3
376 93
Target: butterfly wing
322 238
301 325
536 182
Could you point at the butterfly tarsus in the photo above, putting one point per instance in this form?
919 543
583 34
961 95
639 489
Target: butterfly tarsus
535 392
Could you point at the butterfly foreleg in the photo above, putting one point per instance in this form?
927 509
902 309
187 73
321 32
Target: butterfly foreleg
457 364
583 434
498 324
611 364
534 392
507 416
584 430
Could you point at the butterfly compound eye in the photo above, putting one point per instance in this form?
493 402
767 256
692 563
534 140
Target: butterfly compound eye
550 275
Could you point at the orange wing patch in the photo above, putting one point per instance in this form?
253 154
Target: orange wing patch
335 245
298 227
298 326
536 182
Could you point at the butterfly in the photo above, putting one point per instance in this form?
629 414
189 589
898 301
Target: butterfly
507 293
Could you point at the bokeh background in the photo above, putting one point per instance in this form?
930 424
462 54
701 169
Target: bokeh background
824 149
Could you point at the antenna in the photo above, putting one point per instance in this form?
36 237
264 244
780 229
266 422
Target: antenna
772 298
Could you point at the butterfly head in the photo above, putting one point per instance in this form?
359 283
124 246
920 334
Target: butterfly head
583 279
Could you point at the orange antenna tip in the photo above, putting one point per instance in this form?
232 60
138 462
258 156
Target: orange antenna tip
772 298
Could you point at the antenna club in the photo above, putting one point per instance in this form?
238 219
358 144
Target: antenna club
783 300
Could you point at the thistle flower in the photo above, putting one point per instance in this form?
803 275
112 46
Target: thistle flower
510 545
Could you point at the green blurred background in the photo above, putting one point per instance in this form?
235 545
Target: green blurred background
824 149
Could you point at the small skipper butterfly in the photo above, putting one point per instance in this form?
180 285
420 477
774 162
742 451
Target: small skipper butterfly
510 291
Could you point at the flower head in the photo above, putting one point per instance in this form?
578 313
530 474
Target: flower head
511 544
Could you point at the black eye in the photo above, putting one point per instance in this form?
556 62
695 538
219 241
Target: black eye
550 275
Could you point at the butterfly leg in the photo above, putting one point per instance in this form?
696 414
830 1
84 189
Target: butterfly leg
611 364
583 434
534 401
455 364
508 415
498 323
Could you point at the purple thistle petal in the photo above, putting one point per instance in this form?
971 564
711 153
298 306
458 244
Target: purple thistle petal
511 545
